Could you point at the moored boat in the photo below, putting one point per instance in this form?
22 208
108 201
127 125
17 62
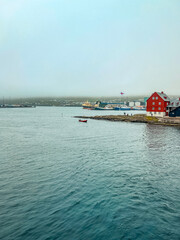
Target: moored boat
82 120
122 108
103 108
87 105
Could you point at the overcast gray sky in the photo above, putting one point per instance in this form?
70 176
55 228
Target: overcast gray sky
89 47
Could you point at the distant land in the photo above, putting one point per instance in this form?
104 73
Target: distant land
70 101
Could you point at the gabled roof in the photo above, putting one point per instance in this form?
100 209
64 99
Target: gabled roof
163 96
174 103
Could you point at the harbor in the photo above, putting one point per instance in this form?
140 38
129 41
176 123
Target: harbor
121 106
160 110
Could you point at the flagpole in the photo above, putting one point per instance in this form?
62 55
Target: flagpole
121 97
120 100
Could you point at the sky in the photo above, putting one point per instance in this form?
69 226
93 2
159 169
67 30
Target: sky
89 47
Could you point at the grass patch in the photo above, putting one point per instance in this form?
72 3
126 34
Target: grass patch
151 119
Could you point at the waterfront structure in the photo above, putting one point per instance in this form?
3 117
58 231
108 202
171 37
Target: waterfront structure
17 106
157 105
175 112
174 108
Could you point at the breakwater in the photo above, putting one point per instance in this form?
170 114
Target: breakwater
138 118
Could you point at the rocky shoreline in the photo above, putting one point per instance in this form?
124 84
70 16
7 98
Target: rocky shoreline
138 118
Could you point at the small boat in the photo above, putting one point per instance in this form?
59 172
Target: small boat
82 120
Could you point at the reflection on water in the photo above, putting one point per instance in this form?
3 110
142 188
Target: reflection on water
163 151
156 136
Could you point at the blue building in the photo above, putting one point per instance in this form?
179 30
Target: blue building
174 108
175 112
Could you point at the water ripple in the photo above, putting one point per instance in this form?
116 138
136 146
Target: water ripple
60 179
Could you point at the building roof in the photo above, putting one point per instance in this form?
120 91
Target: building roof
174 103
163 96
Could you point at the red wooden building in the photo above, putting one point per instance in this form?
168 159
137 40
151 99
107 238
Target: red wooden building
157 105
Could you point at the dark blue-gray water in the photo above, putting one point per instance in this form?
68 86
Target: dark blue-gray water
100 180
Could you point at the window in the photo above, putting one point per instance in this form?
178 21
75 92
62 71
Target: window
159 103
159 112
152 97
153 108
153 103
156 97
159 108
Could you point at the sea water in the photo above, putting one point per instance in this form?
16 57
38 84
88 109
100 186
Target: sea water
62 179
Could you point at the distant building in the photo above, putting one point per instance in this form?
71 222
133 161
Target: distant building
137 104
157 105
131 104
145 101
